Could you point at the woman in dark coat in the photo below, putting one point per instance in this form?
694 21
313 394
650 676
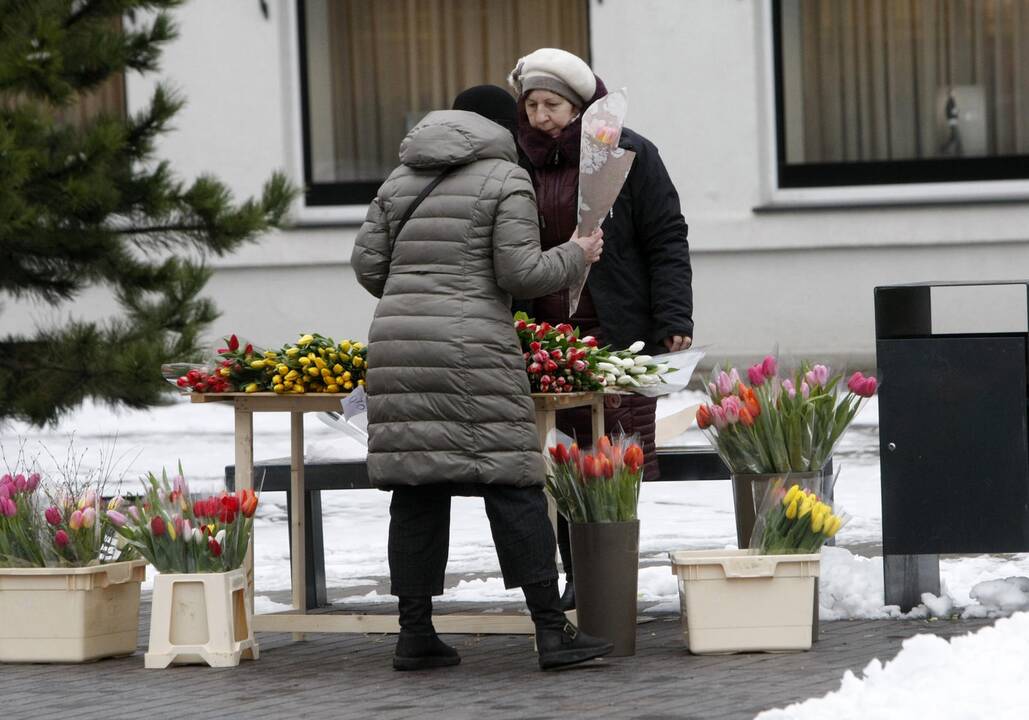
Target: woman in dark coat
642 287
449 410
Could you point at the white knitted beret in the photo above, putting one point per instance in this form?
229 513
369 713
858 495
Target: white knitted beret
556 70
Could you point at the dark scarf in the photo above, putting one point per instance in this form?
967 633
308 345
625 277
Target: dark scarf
543 150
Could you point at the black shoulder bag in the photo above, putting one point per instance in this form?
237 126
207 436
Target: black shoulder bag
418 200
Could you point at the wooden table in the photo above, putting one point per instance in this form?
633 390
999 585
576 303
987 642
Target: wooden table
296 620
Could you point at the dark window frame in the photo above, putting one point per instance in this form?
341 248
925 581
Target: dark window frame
888 172
327 194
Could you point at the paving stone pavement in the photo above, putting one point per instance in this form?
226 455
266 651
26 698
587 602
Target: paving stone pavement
350 676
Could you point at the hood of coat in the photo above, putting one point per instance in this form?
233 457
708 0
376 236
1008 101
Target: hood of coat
455 137
543 150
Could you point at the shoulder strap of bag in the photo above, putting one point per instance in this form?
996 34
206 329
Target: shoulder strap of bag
418 200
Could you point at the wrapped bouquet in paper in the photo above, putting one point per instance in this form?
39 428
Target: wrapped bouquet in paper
603 167
793 519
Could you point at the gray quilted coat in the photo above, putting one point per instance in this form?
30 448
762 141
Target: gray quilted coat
448 397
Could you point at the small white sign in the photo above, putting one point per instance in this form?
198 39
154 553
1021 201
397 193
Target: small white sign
355 403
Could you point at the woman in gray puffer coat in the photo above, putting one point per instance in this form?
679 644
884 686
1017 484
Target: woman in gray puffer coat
449 409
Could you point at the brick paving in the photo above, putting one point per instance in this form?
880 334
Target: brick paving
350 676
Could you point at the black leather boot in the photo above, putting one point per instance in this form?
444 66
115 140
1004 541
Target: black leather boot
558 642
418 646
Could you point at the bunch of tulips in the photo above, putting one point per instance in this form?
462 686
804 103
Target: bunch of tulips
796 521
780 424
180 534
603 486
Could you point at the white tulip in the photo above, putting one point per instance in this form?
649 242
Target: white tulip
627 362
637 370
643 359
607 367
636 346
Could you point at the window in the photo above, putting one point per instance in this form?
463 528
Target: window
875 92
371 69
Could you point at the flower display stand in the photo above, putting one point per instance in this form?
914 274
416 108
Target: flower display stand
200 618
734 601
69 614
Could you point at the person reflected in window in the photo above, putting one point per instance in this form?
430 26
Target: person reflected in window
449 409
641 289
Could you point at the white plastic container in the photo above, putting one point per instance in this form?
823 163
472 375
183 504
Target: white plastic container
69 614
733 601
200 618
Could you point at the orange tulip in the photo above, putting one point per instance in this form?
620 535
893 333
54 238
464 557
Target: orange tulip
746 418
703 417
634 458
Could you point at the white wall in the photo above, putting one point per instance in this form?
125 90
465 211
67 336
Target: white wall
698 75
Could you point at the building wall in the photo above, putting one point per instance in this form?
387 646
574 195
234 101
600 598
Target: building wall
792 271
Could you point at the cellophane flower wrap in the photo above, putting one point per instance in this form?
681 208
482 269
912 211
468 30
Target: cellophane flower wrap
180 533
559 360
602 486
793 519
777 424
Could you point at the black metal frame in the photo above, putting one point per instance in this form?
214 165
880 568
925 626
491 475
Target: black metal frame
341 193
892 172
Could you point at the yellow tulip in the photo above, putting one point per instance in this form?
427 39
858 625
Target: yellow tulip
790 494
320 363
293 351
832 529
337 368
346 376
361 383
806 506
276 379
305 361
338 380
282 369
292 375
257 364
313 371
171 530
311 356
348 386
357 346
332 388
251 388
305 340
345 346
791 510
358 361
333 357
816 522
298 389
224 372
270 354
279 387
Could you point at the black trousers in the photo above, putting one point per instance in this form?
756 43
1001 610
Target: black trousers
419 535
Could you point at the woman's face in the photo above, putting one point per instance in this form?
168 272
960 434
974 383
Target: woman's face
549 112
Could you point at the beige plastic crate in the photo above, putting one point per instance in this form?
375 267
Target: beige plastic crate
733 601
69 614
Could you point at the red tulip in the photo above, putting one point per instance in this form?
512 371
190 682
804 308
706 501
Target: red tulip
157 526
53 516
573 453
214 547
520 325
61 539
756 374
589 469
233 343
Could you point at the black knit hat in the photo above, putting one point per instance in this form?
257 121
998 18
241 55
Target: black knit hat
492 102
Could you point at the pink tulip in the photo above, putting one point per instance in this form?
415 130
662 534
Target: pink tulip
8 508
75 521
53 516
724 383
5 491
180 485
33 482
718 415
791 391
768 366
756 375
20 483
855 382
134 512
712 389
6 478
821 374
731 406
868 387
805 390
734 379
61 539
579 366
116 518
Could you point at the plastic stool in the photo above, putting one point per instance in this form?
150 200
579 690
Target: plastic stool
200 618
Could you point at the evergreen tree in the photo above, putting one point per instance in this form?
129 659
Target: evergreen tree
89 204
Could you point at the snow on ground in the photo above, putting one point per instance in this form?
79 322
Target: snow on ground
673 516
978 675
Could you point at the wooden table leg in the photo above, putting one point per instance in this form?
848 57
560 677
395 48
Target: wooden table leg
244 435
597 416
298 549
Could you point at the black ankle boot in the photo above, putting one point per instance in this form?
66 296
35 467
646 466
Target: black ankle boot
568 596
418 646
558 642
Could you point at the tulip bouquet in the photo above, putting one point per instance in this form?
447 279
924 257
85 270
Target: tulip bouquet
599 487
314 363
795 521
20 523
180 534
558 360
788 424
